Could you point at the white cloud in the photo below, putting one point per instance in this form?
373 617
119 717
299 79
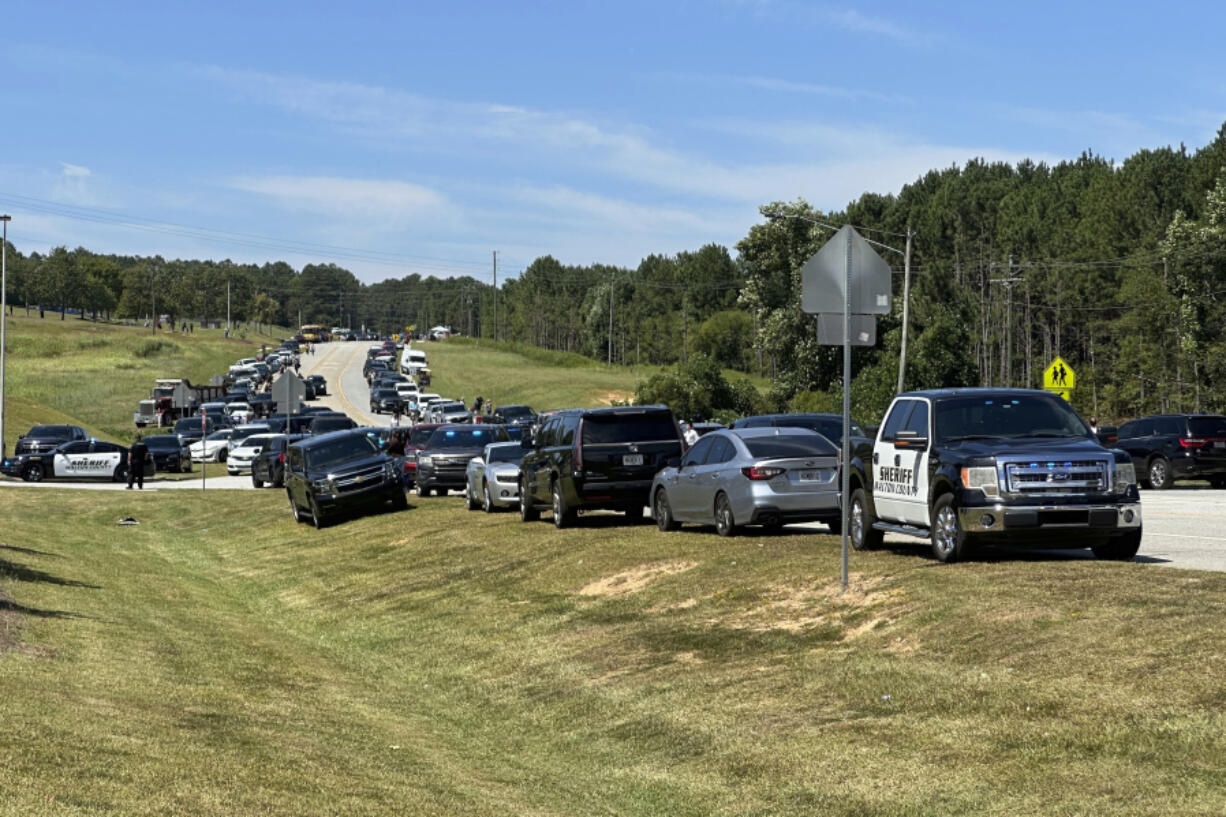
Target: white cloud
816 15
74 171
369 198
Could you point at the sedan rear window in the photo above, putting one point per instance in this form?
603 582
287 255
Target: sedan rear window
1207 426
628 428
789 445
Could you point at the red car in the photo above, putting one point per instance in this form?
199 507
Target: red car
416 442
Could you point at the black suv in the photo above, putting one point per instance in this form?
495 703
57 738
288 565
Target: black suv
320 385
514 415
442 463
1167 447
331 421
268 467
829 426
385 400
336 472
169 452
45 438
584 459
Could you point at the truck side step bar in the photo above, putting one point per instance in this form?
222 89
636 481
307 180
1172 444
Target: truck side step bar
905 530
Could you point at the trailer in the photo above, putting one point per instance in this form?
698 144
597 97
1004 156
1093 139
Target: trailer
173 399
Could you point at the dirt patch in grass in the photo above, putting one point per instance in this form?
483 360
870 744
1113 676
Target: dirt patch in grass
611 397
866 605
634 579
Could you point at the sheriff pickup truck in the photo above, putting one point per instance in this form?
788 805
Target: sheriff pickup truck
962 467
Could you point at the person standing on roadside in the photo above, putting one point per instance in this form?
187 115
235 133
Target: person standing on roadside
138 454
691 436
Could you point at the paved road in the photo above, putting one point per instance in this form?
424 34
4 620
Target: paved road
226 483
341 365
1184 527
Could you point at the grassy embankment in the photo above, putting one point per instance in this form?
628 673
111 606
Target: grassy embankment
219 659
516 373
94 374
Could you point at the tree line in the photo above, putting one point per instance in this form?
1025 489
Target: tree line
1120 268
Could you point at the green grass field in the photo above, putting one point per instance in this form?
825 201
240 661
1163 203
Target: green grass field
512 373
516 373
94 374
218 659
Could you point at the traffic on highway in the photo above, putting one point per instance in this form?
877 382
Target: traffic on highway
346 426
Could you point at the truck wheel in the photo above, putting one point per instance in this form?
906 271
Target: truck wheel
256 482
293 508
317 517
33 473
422 490
527 511
563 516
860 531
1217 482
949 542
1160 477
1120 549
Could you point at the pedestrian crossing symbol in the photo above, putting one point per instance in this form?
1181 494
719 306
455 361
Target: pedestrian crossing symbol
1059 378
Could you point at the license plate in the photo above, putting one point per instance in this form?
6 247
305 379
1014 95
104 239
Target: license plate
1219 445
808 476
632 459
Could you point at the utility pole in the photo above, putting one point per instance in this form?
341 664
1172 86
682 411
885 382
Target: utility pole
906 309
153 303
1009 328
612 280
4 256
495 294
227 303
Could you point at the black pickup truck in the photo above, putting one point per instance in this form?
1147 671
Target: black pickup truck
962 467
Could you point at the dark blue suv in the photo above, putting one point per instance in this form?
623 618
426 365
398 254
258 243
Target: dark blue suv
1167 447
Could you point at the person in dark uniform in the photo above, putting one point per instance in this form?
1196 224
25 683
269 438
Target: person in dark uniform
138 454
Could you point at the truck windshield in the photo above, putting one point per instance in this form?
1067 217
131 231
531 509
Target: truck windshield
1007 416
349 447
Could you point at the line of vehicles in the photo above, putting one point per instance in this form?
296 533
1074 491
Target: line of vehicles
956 467
959 468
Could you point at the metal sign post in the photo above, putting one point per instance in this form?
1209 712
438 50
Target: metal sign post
846 509
204 461
846 281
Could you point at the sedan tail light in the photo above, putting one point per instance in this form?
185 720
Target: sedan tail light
758 473
1192 442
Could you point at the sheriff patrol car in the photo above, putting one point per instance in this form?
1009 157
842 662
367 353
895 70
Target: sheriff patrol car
963 467
78 459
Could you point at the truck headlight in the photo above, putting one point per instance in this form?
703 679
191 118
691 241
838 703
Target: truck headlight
981 478
1125 476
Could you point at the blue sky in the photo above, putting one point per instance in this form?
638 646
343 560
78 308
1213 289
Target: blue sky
417 137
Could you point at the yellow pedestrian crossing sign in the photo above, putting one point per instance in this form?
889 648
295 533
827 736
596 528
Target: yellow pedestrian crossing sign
1059 378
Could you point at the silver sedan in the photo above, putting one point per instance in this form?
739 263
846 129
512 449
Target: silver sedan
750 476
492 479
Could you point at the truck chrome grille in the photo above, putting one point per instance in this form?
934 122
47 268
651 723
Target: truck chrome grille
1032 477
359 480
